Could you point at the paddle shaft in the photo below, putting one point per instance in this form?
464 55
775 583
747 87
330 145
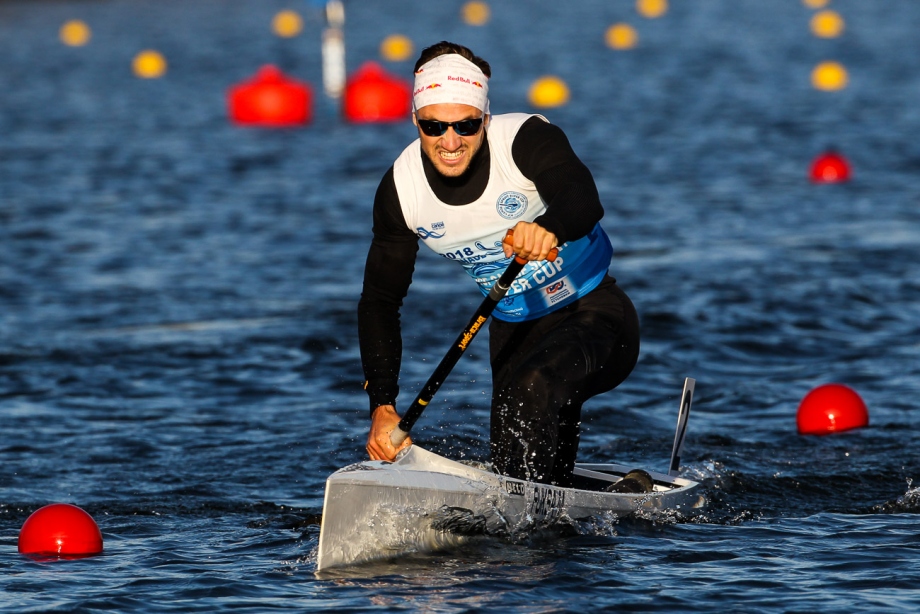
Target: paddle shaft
497 293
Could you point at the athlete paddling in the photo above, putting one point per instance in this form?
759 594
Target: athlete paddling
565 331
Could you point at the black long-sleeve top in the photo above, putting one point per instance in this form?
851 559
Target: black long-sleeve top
543 154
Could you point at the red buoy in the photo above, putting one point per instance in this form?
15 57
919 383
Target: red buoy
831 408
60 530
270 99
830 167
372 95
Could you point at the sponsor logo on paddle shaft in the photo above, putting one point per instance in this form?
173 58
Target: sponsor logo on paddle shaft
514 488
468 336
511 205
547 502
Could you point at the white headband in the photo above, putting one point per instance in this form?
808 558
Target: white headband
450 78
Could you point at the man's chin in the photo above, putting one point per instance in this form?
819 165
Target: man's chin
451 171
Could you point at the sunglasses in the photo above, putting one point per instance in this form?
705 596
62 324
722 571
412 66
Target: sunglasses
464 127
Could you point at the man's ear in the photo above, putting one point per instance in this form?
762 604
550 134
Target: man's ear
414 119
485 122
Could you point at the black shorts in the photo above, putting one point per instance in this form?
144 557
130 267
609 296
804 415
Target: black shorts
543 370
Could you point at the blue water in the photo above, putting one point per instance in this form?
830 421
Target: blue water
178 350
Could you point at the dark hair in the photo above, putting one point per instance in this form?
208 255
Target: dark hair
444 48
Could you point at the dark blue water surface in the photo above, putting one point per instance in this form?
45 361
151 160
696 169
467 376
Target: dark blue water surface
178 346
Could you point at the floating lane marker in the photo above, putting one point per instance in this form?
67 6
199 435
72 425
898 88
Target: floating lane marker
396 48
548 91
60 530
621 36
149 64
831 408
75 33
287 24
827 24
652 9
476 13
829 77
830 167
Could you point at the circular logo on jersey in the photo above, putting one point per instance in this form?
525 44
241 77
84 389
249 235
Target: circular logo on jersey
511 205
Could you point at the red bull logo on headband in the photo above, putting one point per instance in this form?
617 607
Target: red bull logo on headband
450 78
422 89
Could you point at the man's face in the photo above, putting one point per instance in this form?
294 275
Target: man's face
450 153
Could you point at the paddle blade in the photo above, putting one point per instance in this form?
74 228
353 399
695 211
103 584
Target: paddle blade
686 398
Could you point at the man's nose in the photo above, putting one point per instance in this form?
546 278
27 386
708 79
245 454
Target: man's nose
451 140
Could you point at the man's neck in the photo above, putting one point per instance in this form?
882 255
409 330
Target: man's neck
465 188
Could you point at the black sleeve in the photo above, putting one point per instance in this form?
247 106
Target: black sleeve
387 275
543 154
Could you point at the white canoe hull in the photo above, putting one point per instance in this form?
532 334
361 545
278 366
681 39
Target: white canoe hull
423 502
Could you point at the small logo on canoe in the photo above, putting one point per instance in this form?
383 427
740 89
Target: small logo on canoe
547 502
514 488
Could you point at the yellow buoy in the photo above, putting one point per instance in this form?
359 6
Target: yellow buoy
652 8
149 64
476 13
829 76
548 91
621 36
287 24
827 24
396 48
75 33
815 4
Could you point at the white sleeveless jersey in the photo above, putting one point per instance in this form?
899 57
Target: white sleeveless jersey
472 234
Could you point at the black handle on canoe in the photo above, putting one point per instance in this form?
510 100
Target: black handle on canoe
497 293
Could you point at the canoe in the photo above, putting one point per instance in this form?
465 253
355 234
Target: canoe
423 502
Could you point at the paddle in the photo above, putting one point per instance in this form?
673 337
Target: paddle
450 359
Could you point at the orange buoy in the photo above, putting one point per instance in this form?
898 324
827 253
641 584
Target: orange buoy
827 24
621 36
829 77
60 530
548 91
270 99
476 13
287 24
831 408
830 167
652 9
75 33
149 64
372 95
